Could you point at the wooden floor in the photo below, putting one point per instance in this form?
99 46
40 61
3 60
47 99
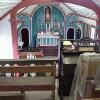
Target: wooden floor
37 95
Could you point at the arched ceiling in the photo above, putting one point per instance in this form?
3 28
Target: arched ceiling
84 14
7 5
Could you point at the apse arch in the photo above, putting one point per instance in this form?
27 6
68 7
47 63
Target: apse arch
38 6
25 37
38 21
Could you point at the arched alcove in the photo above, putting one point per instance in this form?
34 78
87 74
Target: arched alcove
47 14
25 37
70 33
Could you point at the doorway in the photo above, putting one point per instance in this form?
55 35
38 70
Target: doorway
70 33
25 37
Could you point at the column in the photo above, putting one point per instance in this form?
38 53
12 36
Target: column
14 35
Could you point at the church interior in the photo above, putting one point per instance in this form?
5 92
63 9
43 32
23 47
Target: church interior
49 50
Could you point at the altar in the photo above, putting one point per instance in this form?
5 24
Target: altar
47 39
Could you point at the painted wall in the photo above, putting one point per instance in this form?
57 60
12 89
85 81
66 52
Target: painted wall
71 21
38 21
26 23
6 50
59 16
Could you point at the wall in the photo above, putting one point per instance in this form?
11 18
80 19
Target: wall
25 24
71 21
6 50
38 20
38 23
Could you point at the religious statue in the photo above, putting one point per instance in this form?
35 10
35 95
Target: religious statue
47 14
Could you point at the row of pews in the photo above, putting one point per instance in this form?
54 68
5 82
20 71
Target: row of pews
39 82
77 73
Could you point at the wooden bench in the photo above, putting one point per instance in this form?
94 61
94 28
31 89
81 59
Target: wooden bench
22 84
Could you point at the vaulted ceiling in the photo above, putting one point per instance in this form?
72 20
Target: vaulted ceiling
7 5
84 14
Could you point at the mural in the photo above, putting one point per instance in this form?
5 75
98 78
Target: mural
25 23
71 22
46 25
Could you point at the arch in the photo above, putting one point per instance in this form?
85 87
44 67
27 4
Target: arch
39 24
26 23
70 33
84 3
25 37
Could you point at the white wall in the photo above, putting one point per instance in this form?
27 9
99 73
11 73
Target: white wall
6 50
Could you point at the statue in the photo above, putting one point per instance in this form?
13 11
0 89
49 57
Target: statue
47 14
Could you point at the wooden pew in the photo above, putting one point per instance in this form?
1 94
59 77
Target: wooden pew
22 84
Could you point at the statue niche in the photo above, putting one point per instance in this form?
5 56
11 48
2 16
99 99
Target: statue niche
47 14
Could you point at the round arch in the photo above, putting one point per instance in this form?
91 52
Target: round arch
84 3
70 33
25 37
